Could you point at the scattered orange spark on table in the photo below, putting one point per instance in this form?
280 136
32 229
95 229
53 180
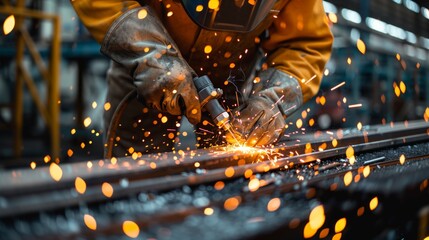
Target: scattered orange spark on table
131 229
373 203
90 222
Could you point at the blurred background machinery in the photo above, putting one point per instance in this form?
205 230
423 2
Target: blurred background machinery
80 84
52 76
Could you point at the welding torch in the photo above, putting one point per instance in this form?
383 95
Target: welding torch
209 96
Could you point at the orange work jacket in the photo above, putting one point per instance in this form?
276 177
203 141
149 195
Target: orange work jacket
298 39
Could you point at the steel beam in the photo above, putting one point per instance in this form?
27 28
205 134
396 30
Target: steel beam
33 190
170 163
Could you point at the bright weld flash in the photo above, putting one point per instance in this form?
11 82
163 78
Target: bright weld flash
233 135
241 148
263 153
245 149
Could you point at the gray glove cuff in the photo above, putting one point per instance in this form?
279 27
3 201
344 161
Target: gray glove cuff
282 89
164 81
138 36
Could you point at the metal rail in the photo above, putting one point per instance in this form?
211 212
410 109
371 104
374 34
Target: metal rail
179 215
26 181
161 180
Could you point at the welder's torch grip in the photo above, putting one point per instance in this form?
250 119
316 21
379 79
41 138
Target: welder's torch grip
209 95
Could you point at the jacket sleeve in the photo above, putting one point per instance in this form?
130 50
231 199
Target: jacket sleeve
98 15
300 43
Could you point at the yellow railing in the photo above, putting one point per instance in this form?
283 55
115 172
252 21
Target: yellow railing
49 111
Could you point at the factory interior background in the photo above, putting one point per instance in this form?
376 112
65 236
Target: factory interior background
378 74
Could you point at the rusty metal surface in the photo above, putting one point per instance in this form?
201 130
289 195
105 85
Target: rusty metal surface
158 193
165 171
170 163
172 212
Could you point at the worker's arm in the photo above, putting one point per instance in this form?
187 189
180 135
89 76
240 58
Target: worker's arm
300 43
98 15
298 47
134 37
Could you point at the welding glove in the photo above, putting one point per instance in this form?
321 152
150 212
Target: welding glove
164 80
261 119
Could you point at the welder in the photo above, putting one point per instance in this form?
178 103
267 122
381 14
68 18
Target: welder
267 57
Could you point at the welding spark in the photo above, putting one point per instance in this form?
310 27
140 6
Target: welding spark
90 222
233 135
9 24
205 130
230 79
131 229
311 79
355 105
292 107
273 204
373 203
375 160
339 85
278 100
262 153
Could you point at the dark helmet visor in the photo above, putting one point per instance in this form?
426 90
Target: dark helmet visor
228 15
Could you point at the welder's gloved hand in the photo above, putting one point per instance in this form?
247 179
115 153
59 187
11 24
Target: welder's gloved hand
261 120
163 79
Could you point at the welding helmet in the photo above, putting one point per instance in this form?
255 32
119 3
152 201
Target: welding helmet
228 15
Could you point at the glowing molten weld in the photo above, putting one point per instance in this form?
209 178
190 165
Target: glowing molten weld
262 154
241 148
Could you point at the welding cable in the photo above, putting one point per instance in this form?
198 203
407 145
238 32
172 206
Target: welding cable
111 131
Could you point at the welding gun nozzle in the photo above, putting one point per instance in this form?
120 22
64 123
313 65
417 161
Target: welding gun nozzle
222 121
